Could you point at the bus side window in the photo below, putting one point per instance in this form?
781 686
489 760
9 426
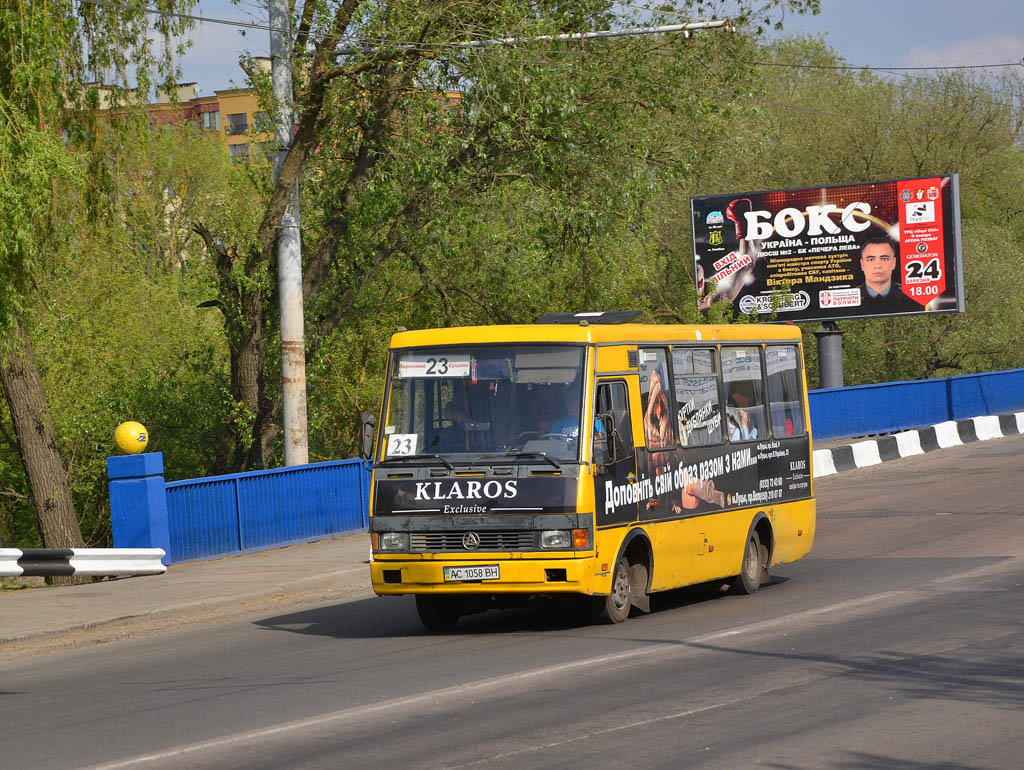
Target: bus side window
612 400
698 413
745 402
655 400
785 390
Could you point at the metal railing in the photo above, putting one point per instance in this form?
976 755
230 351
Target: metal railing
219 515
888 407
210 517
248 511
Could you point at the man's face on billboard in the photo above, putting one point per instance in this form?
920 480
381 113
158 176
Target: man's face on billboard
878 260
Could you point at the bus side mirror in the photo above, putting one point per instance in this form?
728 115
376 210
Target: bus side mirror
367 426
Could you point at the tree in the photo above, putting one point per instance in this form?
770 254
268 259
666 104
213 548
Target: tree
42 88
809 120
405 128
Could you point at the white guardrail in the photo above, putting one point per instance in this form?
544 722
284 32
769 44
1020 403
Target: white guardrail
53 562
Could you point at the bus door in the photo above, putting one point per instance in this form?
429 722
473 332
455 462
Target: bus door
617 489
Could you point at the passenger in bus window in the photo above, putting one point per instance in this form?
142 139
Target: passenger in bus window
734 428
741 427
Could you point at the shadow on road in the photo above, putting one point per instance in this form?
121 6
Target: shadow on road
389 616
859 760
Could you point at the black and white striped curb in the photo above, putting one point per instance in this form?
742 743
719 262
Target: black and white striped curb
915 442
55 562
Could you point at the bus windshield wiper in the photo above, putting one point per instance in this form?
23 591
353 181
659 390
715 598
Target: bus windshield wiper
543 455
440 459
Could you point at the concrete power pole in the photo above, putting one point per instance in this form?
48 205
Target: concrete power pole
289 251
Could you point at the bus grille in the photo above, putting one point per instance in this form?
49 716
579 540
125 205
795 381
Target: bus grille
508 540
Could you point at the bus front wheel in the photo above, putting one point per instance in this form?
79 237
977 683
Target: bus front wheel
437 613
614 608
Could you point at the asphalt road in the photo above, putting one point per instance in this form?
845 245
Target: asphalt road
897 645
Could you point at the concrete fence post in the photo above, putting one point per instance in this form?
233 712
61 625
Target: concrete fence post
138 501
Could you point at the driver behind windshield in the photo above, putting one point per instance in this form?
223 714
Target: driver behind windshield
567 419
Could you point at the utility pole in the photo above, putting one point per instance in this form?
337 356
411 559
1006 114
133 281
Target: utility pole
289 251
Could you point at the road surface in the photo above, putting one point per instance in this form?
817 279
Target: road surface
896 645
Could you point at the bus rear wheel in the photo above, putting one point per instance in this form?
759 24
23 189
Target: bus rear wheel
754 570
437 613
614 608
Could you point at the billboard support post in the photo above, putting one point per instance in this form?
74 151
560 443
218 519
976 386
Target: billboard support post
830 355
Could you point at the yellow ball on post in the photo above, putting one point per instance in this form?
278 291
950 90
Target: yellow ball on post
131 437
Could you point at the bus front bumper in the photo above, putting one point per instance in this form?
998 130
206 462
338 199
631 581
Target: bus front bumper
516 576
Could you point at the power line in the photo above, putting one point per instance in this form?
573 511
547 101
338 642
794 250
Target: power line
664 29
369 45
919 80
888 68
411 45
798 108
186 16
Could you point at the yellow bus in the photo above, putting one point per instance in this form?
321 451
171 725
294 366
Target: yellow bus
587 454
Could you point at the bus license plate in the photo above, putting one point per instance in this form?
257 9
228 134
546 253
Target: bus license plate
478 572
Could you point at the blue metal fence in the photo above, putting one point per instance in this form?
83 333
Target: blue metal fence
218 515
887 407
209 517
248 511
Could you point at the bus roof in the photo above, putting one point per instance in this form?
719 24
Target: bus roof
595 334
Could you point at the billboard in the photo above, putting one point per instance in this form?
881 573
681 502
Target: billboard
823 253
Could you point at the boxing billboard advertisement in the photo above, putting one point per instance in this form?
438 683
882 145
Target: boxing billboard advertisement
824 253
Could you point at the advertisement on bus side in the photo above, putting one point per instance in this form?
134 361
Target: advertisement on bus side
694 480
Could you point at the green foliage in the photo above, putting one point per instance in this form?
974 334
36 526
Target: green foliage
52 55
540 188
118 329
121 345
471 187
32 163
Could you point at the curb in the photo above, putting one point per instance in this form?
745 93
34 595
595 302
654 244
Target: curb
916 442
325 582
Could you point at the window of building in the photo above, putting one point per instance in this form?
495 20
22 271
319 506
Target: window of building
238 151
699 415
238 123
264 150
261 122
744 407
210 120
784 390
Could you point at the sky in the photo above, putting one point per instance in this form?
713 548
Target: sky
875 33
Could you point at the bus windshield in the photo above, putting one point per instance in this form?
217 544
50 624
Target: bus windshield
514 400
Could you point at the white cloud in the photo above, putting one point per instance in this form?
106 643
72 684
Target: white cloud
997 48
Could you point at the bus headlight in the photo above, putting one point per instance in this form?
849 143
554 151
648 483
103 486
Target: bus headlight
555 538
394 541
